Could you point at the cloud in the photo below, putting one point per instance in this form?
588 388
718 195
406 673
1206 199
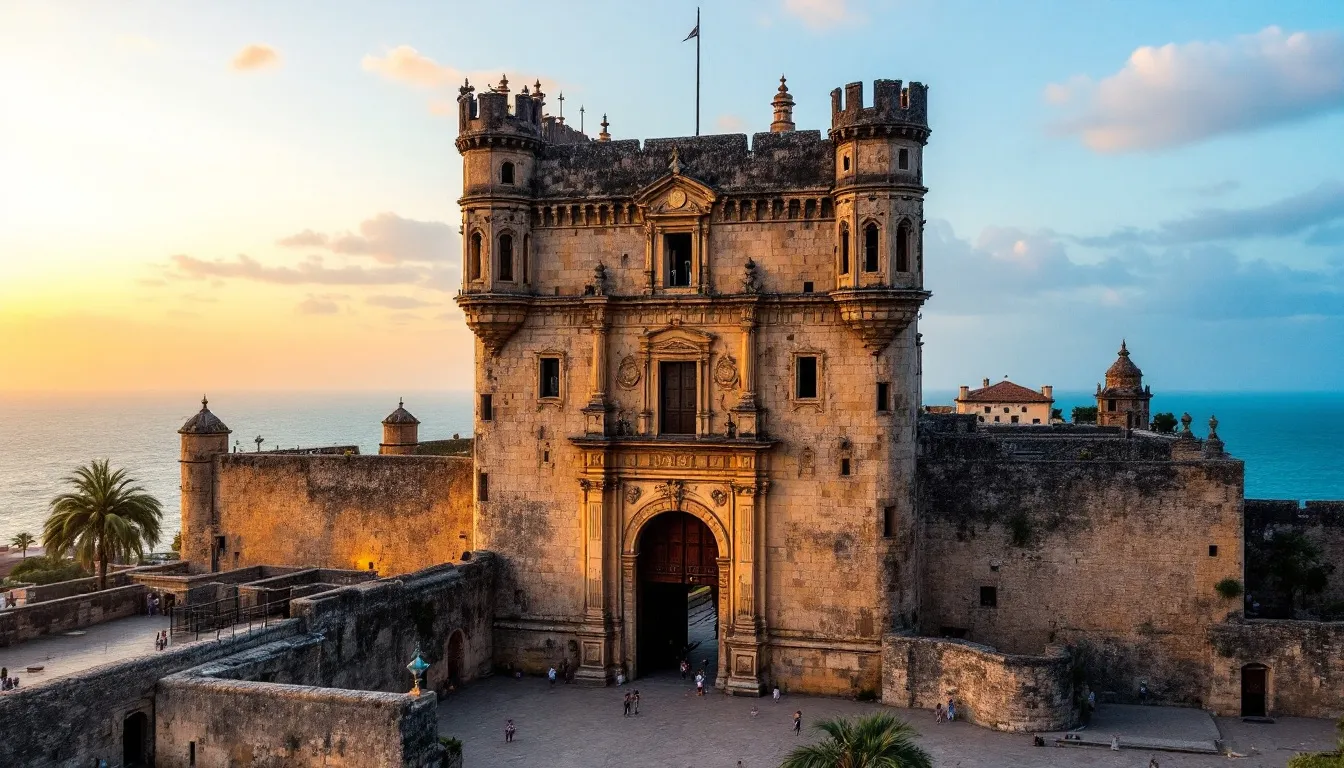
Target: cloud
404 64
309 272
387 238
820 14
318 305
730 124
256 56
398 302
1292 215
1180 94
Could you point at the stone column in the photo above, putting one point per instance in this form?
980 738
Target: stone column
746 413
725 609
594 638
595 413
745 645
650 258
629 564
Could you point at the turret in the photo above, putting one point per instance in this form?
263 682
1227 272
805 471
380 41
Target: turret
879 194
401 432
203 437
783 106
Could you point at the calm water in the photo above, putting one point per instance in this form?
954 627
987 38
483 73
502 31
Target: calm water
1291 442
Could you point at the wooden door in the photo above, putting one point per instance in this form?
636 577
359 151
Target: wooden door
1253 689
676 406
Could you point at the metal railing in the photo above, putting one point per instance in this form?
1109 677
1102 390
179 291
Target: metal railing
227 617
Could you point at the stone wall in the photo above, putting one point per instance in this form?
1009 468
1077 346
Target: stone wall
1322 522
1305 661
99 700
69 613
1106 543
398 513
996 690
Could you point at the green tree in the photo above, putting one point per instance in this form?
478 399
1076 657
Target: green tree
23 540
876 741
1292 565
1084 414
104 516
1164 422
1056 414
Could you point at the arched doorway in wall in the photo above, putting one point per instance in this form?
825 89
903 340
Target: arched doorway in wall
135 740
1254 690
678 583
455 658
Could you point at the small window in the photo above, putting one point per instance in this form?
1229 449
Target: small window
1007 410
1110 405
903 159
487 407
370 565
506 257
1024 409
191 753
844 250
888 521
883 396
996 419
221 544
986 409
845 162
482 486
844 467
677 247
545 457
549 384
1014 419
989 597
807 286
805 386
1035 421
870 248
474 257
1213 550
903 247
527 256
506 173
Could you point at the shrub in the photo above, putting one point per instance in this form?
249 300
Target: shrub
451 745
1228 588
1019 529
1317 760
46 570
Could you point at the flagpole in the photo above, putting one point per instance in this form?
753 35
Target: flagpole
697 70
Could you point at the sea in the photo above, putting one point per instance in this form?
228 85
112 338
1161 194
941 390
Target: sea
1291 442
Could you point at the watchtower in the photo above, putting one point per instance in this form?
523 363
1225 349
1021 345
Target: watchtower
203 437
401 432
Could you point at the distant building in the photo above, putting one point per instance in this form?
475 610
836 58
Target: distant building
1123 402
1007 403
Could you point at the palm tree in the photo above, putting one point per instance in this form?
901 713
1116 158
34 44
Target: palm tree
877 741
105 515
23 540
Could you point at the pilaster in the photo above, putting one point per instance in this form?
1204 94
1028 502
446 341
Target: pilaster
595 637
747 639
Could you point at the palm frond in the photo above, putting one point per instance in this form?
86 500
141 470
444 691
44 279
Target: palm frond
880 740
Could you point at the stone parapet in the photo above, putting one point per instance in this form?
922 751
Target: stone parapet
69 613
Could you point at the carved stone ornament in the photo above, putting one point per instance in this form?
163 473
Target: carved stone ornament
673 491
628 374
632 494
719 496
725 372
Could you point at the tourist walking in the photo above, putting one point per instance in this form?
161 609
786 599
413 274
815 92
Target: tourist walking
776 694
635 698
938 714
626 711
699 683
509 730
550 675
951 710
685 667
798 722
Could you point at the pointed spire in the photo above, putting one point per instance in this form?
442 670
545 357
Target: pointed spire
465 89
783 104
536 91
1124 351
604 136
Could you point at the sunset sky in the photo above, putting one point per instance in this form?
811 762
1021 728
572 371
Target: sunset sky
260 195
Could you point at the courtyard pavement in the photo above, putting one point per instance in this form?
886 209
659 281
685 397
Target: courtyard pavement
65 654
575 727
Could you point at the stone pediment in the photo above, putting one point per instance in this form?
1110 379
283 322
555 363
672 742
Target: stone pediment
676 195
676 339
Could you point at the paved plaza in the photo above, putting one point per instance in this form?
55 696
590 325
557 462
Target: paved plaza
574 727
65 654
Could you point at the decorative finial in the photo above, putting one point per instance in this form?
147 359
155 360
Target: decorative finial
675 165
604 136
581 118
1185 425
1124 352
1213 426
204 403
783 87
400 402
503 84
783 107
526 92
466 87
537 86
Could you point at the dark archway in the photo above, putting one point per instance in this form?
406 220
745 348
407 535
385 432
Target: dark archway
135 740
456 658
678 558
1254 690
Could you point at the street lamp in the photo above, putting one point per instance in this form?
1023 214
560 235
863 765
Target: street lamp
417 668
258 440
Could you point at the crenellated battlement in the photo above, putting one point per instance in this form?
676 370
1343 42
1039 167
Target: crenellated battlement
894 109
488 116
1270 512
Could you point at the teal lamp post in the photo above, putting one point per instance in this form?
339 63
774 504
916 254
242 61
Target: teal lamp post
417 667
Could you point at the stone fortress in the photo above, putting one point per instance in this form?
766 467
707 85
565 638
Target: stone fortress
698 364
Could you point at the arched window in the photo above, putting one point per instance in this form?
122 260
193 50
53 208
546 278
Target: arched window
844 249
474 257
870 248
506 257
903 247
506 173
527 257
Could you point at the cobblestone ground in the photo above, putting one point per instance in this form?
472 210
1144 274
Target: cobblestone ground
65 654
573 727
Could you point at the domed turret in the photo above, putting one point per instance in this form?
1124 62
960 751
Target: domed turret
203 437
401 432
1123 402
1123 372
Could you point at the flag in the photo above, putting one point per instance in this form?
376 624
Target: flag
694 33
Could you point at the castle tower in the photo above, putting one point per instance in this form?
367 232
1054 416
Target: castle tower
203 437
1123 402
401 432
783 104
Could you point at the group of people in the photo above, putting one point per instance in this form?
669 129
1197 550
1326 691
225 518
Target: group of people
7 683
685 667
631 703
945 715
161 640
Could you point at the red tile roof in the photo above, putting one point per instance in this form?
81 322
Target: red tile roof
1004 392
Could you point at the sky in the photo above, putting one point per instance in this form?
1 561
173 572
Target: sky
261 196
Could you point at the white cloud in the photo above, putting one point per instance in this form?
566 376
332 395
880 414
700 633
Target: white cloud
387 238
406 65
256 56
1179 94
820 14
730 124
398 302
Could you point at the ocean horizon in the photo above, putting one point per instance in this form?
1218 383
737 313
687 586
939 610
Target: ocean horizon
1288 440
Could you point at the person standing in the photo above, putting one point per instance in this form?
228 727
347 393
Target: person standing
685 667
699 683
938 713
951 710
550 675
798 722
626 711
636 701
509 730
776 694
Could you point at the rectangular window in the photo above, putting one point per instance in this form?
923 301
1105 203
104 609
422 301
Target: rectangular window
191 753
482 486
989 597
1213 550
1110 405
221 545
1035 421
807 286
1014 419
805 384
903 159
883 396
996 419
888 521
550 377
986 409
844 467
677 253
487 407
1007 410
